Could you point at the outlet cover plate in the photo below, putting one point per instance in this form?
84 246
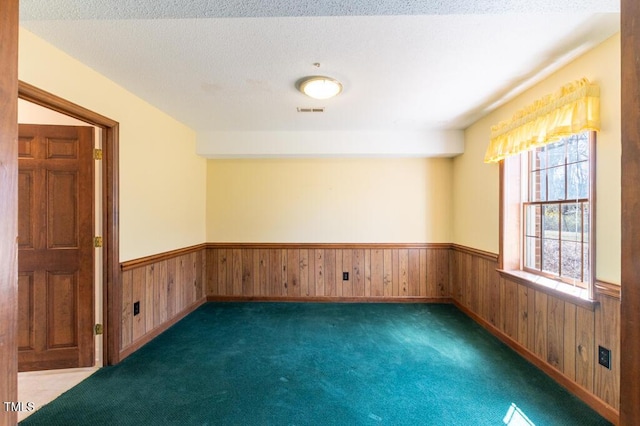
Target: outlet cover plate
136 308
345 276
604 357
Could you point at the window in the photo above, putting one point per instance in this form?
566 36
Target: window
546 153
557 210
547 212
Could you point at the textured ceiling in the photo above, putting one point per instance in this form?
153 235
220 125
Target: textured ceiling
406 66
154 9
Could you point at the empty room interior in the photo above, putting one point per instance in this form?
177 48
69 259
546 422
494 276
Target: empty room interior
464 176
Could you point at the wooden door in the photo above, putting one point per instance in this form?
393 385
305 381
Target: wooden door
55 247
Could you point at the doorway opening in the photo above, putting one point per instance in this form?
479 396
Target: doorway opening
60 271
109 265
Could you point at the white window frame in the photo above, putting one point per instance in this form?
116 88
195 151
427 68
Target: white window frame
513 195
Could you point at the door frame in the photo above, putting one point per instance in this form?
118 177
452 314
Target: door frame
111 276
9 10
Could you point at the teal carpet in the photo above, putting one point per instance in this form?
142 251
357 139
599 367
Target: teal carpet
320 364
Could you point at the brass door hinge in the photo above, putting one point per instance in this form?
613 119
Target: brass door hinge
98 329
97 242
97 154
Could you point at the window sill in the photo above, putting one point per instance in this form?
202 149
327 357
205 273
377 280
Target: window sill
566 292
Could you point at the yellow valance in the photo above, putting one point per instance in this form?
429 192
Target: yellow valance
573 109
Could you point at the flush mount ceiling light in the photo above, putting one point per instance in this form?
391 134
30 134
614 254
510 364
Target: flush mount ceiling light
319 87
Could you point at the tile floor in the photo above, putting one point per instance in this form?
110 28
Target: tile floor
42 387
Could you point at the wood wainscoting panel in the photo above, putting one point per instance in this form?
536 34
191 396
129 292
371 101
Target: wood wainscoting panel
318 270
293 273
158 277
329 258
171 287
555 334
138 284
359 271
607 335
126 331
315 271
284 278
165 288
337 266
523 317
225 284
263 270
375 285
585 348
403 259
510 314
149 296
247 272
540 325
306 264
569 341
394 272
236 272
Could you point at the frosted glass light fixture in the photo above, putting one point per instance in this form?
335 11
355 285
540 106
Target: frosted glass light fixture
319 87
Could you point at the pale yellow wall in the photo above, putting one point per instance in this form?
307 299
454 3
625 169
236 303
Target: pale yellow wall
329 200
475 184
162 181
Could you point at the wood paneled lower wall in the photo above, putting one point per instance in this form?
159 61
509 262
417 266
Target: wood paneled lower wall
558 336
167 286
382 272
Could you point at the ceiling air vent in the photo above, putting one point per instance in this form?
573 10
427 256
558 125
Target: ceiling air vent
310 109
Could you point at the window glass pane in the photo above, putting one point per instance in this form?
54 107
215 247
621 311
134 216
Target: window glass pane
578 180
550 256
572 149
572 260
532 220
583 146
578 148
556 225
556 153
532 253
556 182
550 221
571 222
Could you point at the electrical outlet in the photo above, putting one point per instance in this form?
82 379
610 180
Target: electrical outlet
136 308
604 357
345 276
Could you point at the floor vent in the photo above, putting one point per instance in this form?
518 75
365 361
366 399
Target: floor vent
310 109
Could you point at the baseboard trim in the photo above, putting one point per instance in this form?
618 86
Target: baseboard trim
604 409
160 329
330 299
